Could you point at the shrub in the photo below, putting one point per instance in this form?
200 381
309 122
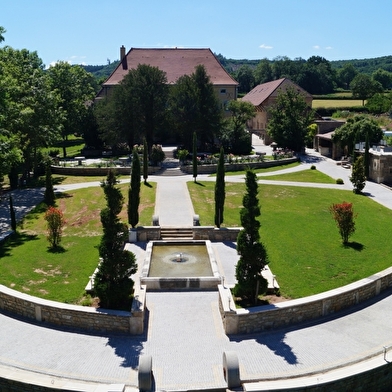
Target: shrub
339 181
343 215
312 167
157 154
55 222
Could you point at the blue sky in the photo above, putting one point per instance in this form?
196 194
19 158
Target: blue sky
92 31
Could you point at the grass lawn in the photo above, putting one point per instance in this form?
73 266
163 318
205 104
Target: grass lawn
27 265
302 240
263 170
302 176
335 103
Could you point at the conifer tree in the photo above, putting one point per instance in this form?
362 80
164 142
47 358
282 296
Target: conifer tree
145 161
358 177
12 215
134 191
253 255
220 189
113 284
49 197
194 157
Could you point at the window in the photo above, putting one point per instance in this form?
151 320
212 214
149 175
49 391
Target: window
223 91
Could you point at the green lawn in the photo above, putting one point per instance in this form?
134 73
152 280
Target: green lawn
302 176
303 243
335 103
26 263
263 170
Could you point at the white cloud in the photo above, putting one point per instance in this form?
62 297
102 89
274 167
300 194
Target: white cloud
264 46
317 47
328 47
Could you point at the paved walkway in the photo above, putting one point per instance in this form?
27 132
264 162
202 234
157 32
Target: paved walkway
185 336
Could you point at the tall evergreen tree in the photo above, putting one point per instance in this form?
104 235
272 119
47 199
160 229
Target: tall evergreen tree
134 191
253 255
194 157
145 161
113 284
49 196
366 161
220 192
358 177
12 215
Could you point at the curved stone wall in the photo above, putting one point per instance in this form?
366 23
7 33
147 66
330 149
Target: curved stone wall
74 316
264 318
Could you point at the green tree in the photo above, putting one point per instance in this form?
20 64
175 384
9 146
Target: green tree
113 284
253 255
49 197
136 108
75 88
343 214
289 119
263 72
364 87
379 103
145 160
10 155
235 136
2 32
245 78
358 176
134 191
29 111
220 192
209 117
12 215
346 74
383 77
194 157
184 109
355 130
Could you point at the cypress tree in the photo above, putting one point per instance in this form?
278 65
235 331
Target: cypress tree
358 177
366 156
194 157
49 196
145 161
253 255
12 215
112 283
134 191
220 189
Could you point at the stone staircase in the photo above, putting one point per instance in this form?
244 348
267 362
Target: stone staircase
176 233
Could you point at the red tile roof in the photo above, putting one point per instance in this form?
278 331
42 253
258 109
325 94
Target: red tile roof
175 63
263 91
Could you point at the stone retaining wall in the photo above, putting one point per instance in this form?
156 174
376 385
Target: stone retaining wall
74 316
96 171
271 317
153 233
208 169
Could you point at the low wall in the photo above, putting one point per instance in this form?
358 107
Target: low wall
96 171
153 233
74 316
271 317
208 169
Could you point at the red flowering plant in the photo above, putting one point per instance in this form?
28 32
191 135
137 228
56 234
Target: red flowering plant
343 214
55 222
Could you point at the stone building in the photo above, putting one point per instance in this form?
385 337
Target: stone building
264 96
175 62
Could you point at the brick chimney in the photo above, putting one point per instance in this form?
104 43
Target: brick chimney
123 58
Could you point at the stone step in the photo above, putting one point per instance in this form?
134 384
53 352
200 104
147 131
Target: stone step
176 233
175 171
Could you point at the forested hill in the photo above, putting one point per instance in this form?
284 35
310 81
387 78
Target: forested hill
367 66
